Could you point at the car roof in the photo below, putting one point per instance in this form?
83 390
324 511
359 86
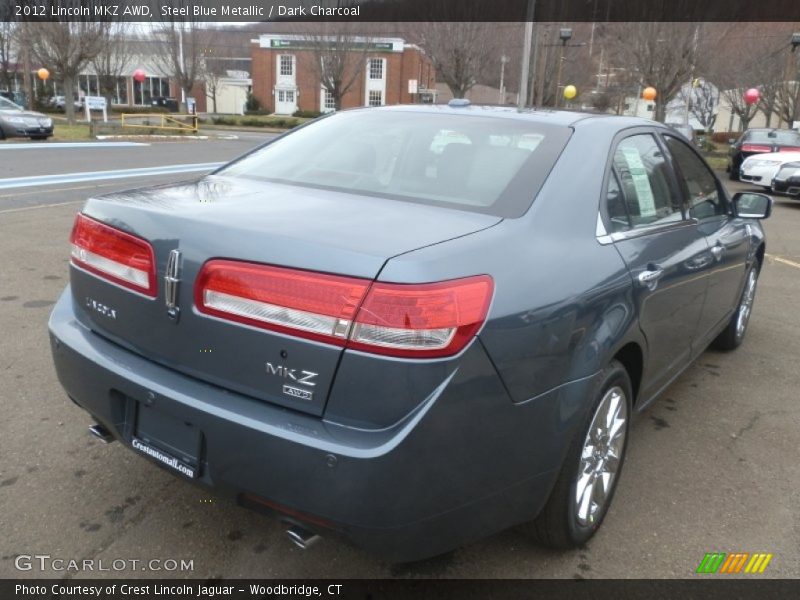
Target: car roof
566 118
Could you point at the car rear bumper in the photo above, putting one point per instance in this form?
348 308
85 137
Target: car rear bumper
466 463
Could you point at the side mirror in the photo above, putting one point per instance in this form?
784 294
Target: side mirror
749 205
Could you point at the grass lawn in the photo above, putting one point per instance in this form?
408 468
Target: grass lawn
70 133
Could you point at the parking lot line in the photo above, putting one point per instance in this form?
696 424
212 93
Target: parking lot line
66 145
42 180
38 206
785 261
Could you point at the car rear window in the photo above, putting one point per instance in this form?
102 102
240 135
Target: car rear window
479 163
774 137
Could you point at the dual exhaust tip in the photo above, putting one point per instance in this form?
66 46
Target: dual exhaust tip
101 433
299 536
302 538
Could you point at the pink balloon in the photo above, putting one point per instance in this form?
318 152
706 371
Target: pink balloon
752 95
138 75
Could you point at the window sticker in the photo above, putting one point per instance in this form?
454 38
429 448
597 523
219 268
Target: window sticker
641 182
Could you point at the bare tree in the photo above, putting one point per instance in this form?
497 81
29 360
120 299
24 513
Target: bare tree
113 60
7 45
460 52
65 48
662 54
702 98
339 57
214 72
181 50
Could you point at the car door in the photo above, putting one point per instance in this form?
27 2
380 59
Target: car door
728 237
666 254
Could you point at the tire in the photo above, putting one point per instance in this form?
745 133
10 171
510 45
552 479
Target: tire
734 332
565 522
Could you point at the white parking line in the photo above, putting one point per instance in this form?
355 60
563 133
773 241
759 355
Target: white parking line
66 145
42 180
784 261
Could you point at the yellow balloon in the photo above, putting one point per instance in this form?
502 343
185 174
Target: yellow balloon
570 92
43 74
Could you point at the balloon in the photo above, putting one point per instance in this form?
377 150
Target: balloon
570 92
43 74
138 75
752 95
649 93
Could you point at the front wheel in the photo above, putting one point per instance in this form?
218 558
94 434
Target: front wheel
585 486
733 334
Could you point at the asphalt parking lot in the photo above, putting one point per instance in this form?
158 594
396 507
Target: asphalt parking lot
712 466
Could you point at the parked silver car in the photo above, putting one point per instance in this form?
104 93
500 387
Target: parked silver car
15 121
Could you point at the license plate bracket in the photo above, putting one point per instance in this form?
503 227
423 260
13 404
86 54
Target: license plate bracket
167 439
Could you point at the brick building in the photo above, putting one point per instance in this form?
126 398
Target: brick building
285 78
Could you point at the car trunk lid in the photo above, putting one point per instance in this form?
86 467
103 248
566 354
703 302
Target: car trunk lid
232 219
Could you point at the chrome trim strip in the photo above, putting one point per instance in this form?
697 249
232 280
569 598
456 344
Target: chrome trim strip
171 279
610 238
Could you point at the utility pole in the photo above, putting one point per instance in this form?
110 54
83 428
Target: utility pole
522 99
25 43
565 34
503 61
183 64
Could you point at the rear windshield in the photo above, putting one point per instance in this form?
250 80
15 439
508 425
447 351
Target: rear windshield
773 137
483 164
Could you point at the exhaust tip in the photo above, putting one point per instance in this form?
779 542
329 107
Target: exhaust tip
101 433
302 538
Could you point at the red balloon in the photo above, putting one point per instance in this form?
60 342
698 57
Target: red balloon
138 75
752 95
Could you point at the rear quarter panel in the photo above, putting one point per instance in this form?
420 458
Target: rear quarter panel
562 304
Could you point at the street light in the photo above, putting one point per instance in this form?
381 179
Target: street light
565 35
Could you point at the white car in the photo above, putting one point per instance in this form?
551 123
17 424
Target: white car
761 169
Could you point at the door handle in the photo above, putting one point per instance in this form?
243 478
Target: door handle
650 277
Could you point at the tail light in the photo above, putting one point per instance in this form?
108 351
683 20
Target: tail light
756 148
789 149
425 320
113 255
419 320
302 303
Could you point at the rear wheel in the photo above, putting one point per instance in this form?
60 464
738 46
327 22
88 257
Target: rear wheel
733 334
585 487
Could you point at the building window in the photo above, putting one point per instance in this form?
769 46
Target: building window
330 103
376 68
287 65
281 96
375 98
290 96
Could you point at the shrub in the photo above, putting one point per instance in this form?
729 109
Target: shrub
254 122
140 110
261 112
307 114
223 120
252 103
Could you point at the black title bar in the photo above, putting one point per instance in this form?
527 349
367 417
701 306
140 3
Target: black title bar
400 10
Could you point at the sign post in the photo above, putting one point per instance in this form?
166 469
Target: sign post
91 103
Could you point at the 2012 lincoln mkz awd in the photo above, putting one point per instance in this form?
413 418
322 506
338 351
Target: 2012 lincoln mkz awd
412 326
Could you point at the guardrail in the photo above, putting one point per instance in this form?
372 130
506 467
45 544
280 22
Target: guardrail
161 121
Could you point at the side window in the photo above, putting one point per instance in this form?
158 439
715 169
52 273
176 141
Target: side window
704 197
644 179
